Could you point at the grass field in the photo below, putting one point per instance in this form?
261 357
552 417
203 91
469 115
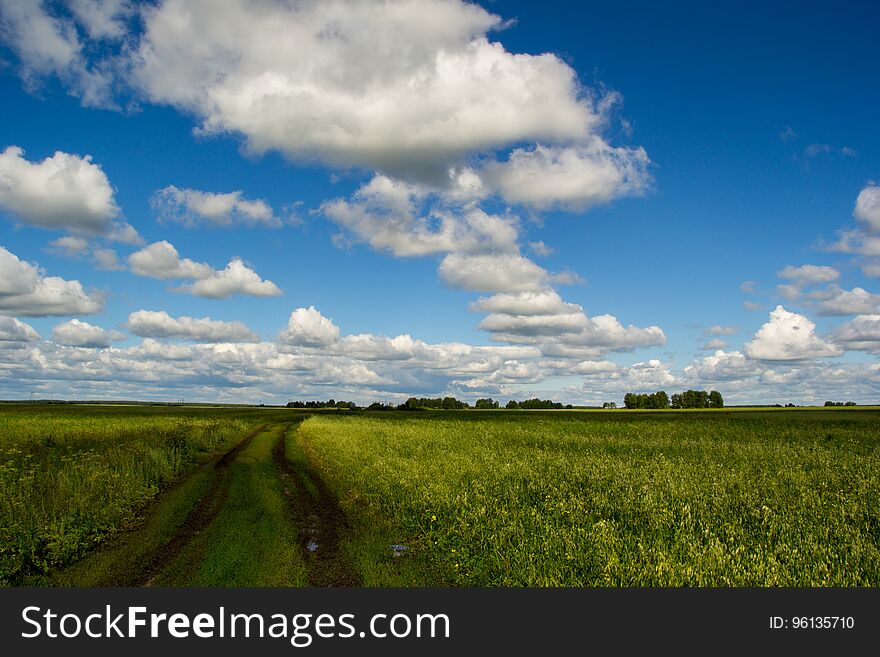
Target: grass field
138 495
617 499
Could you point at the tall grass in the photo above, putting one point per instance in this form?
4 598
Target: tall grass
71 477
618 499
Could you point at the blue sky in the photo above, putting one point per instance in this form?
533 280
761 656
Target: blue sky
575 200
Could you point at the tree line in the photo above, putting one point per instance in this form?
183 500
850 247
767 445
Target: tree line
440 403
687 399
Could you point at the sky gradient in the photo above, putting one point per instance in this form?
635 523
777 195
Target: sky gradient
257 201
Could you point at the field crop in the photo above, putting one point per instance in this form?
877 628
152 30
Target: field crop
614 499
70 476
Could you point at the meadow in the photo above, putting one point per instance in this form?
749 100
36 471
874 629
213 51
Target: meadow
623 498
72 476
140 495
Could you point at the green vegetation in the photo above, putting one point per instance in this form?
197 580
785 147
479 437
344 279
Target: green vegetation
252 541
70 476
133 495
687 399
635 499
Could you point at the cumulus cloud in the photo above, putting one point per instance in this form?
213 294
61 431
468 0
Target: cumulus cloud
858 301
309 328
236 278
508 272
159 324
714 344
76 333
191 207
61 191
543 319
722 366
25 291
405 88
13 330
809 274
102 19
867 209
788 336
69 246
570 177
545 302
388 215
862 333
48 44
161 260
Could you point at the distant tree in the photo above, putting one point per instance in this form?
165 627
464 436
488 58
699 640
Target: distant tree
609 405
512 404
716 400
850 403
486 403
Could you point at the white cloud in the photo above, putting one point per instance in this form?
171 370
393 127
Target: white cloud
722 366
236 278
307 327
76 333
387 214
102 19
788 336
406 88
159 324
715 343
25 291
106 259
540 249
857 301
572 177
493 273
867 209
809 274
862 333
61 191
161 260
545 302
718 329
191 207
69 246
856 241
49 45
13 330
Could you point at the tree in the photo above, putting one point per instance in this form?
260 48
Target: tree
512 404
609 405
486 403
716 400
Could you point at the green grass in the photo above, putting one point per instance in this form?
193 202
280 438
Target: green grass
749 498
73 476
252 541
122 560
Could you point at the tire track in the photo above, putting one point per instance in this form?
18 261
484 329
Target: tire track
318 516
202 515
